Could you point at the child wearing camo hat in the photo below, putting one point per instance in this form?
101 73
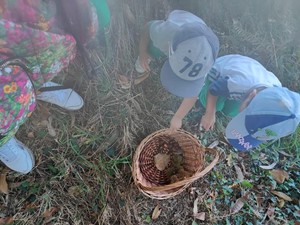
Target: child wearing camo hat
191 48
233 80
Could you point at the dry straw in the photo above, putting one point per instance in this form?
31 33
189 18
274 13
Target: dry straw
194 161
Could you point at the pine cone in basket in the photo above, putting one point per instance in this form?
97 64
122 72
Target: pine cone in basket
163 162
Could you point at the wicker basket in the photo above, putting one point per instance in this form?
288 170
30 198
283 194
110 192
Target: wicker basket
153 182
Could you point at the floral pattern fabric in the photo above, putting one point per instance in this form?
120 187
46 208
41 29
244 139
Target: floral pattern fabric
29 30
17 100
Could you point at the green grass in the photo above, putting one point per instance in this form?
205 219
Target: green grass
85 170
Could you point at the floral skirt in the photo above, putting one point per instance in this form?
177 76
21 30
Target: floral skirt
28 31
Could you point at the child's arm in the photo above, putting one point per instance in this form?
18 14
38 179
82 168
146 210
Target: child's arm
143 48
183 109
209 118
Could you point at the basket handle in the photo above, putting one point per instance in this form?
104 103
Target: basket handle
187 181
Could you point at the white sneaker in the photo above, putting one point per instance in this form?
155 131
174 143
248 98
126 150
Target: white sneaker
16 156
65 98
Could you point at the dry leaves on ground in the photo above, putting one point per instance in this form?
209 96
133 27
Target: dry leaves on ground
239 173
238 205
269 167
196 214
49 212
156 212
279 175
3 183
6 220
282 195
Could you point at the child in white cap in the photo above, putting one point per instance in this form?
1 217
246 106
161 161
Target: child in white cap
242 88
191 48
271 114
232 80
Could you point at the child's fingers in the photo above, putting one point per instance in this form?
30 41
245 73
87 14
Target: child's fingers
205 127
201 127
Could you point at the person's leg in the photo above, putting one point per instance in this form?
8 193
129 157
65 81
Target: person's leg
46 54
103 14
154 52
17 102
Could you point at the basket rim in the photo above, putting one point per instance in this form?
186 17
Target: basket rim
180 184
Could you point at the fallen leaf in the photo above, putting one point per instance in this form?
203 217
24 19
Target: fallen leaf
285 154
161 161
123 78
141 79
3 183
195 208
200 216
269 167
124 81
156 212
214 144
6 220
239 173
244 169
238 205
279 175
282 195
30 135
281 203
246 184
49 212
148 219
235 185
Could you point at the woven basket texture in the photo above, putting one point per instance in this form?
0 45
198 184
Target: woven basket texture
158 184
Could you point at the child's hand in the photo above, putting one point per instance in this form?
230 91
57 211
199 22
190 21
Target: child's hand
208 121
176 123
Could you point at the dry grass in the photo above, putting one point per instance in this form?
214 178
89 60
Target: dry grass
83 173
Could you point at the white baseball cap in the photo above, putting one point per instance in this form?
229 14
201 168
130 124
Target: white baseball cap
192 53
273 113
